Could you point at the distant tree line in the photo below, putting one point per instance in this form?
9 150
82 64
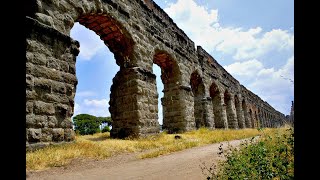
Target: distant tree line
88 124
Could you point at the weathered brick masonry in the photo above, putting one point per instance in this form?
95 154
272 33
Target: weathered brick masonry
197 90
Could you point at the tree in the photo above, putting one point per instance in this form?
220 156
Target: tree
89 124
105 129
86 124
105 120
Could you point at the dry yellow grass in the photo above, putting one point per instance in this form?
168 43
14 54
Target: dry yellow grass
101 146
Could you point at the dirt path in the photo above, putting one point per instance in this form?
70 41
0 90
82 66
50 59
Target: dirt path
179 165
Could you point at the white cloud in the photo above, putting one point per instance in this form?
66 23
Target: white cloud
246 69
96 103
96 107
86 93
275 40
77 109
273 85
248 47
276 86
90 44
203 27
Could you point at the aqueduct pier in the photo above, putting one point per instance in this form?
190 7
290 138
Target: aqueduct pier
198 91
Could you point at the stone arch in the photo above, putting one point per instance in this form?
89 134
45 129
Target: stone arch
170 72
220 120
121 44
170 75
239 111
231 112
62 51
198 91
50 69
246 114
113 34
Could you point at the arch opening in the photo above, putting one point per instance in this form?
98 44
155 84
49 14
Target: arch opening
120 44
170 76
94 82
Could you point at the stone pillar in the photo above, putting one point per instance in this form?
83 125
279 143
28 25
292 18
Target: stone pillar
199 111
247 120
257 120
231 113
50 85
240 115
253 122
134 103
208 115
262 121
224 117
219 111
178 110
186 109
251 119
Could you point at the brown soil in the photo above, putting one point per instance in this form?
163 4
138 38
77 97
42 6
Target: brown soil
178 165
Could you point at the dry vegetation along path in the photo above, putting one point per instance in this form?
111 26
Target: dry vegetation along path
178 165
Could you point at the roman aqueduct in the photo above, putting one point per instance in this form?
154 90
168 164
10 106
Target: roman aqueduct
197 90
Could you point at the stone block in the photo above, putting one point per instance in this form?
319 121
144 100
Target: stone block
52 122
69 135
34 135
58 134
43 108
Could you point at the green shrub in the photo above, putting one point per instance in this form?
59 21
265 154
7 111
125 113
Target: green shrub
106 129
271 157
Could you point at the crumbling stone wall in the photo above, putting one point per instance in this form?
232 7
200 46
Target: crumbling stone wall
197 90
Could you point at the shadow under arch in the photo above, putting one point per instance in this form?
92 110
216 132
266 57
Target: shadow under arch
198 91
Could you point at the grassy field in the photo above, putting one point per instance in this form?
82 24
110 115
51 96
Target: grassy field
101 146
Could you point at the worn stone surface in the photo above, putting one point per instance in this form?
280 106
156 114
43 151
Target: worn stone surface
198 91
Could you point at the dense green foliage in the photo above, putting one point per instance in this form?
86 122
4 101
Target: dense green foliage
270 157
105 129
88 124
106 120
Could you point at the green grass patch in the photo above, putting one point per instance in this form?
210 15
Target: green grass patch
270 157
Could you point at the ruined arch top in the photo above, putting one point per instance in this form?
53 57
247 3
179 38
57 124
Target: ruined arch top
139 33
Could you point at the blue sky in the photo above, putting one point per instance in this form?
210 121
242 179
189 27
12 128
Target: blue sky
253 40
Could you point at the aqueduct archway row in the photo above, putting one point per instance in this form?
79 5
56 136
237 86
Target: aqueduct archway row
197 90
